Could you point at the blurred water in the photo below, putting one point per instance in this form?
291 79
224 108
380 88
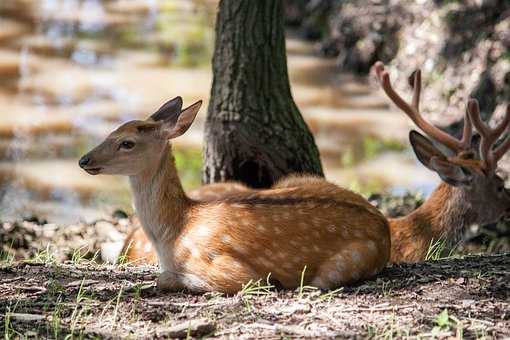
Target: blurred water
72 70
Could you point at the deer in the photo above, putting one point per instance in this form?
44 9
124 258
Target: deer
137 248
470 192
318 234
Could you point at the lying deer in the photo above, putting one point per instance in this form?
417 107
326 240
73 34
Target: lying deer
470 193
137 248
328 235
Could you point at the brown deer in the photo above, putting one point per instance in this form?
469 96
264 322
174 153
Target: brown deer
470 193
461 199
137 248
328 235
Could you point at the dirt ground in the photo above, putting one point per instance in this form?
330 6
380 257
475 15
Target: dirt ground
457 297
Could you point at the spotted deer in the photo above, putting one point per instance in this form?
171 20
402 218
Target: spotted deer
137 248
325 234
470 192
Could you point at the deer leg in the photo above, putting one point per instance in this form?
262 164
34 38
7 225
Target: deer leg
354 261
169 282
228 274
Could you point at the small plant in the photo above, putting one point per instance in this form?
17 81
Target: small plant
387 289
116 309
56 319
331 294
436 249
446 322
255 288
302 288
300 294
79 256
81 296
391 330
6 257
442 320
46 256
122 260
9 331
7 254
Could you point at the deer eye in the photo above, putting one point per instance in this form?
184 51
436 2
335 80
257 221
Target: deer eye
126 145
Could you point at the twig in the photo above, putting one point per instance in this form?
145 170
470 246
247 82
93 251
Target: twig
293 330
11 280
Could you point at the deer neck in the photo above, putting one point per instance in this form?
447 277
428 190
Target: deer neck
443 216
160 201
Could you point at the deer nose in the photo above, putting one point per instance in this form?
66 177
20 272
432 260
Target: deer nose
84 161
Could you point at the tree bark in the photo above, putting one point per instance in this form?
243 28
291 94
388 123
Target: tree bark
254 132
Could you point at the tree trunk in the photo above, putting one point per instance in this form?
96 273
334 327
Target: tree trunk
254 132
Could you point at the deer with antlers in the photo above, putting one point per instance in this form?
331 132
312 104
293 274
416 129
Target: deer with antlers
306 229
470 193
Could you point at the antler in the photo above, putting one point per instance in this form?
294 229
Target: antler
413 111
490 136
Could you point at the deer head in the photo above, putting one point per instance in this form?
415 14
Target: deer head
463 164
137 145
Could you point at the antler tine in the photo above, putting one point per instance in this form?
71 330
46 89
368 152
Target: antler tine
415 83
412 110
489 136
467 132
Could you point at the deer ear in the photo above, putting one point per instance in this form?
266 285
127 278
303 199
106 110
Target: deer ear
453 174
184 121
435 160
424 149
169 111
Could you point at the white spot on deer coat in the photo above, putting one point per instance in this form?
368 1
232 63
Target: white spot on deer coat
340 263
202 231
226 239
371 246
356 257
193 282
